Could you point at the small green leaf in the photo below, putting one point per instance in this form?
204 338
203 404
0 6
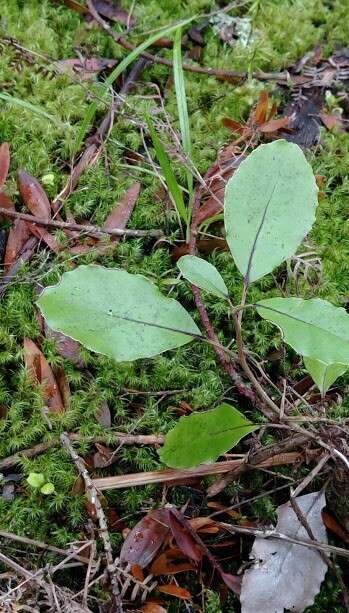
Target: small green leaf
203 275
36 480
324 374
314 328
203 437
115 313
47 489
269 207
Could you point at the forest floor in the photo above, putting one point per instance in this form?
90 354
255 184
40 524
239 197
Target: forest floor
289 52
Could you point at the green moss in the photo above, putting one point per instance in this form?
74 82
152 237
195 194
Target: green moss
44 147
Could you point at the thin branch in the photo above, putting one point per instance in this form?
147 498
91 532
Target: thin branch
273 534
103 528
227 75
86 229
124 439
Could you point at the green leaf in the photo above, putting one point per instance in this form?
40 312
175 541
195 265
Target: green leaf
169 175
324 374
47 489
314 328
121 315
36 480
118 70
269 207
182 106
203 275
203 437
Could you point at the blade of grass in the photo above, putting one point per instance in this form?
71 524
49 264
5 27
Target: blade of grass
32 108
182 105
171 181
118 70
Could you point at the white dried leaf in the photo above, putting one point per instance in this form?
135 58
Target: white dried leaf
284 575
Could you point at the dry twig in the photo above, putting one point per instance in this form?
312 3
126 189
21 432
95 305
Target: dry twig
103 528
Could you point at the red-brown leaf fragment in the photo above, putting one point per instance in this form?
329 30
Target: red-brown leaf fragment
44 236
33 195
40 372
332 524
4 163
86 68
275 124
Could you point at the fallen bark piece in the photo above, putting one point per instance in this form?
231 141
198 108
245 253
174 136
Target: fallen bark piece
285 575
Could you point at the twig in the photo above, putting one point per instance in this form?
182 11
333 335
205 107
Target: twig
103 528
87 229
32 543
172 476
124 439
255 459
213 72
88 574
273 534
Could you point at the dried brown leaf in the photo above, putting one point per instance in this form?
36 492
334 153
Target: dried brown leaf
330 121
122 212
45 236
103 416
275 124
17 238
175 590
67 347
86 68
33 195
183 536
153 607
4 163
261 111
332 524
41 373
113 12
6 202
171 562
146 538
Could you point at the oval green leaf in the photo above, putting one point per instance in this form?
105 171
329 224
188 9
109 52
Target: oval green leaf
115 313
202 437
315 328
36 480
47 489
203 275
269 207
324 374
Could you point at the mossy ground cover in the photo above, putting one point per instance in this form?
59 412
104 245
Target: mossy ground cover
285 31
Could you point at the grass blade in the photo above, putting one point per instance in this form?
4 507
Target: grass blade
182 103
32 108
169 175
119 69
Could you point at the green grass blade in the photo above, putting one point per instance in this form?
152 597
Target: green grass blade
169 175
182 103
32 108
119 69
